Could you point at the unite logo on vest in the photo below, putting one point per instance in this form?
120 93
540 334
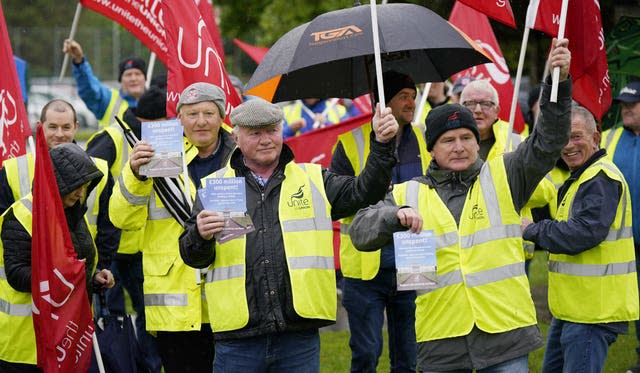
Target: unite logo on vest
477 213
298 201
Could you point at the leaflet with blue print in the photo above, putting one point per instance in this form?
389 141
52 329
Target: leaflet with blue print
228 197
415 255
166 139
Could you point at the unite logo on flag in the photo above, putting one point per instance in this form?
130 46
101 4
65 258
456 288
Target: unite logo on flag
321 37
8 118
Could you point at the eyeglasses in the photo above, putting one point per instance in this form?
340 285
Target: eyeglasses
193 115
485 105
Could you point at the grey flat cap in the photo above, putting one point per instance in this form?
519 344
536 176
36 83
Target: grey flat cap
256 112
200 92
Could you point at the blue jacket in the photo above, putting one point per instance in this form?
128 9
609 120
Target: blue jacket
95 94
627 157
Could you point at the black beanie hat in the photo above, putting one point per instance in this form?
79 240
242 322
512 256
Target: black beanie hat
152 104
448 117
394 82
132 63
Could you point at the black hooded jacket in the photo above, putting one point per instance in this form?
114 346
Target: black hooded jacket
73 168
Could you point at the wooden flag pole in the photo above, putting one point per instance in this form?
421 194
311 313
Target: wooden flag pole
72 34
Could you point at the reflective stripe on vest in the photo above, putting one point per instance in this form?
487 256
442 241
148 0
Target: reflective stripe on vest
157 212
15 309
23 174
130 197
117 106
165 300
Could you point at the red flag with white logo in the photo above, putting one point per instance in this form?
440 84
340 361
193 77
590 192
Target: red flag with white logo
192 55
14 123
589 68
208 14
544 15
62 316
142 18
323 141
476 26
499 10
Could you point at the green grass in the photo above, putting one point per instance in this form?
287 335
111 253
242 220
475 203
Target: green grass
335 355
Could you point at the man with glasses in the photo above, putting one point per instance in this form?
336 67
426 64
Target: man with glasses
481 98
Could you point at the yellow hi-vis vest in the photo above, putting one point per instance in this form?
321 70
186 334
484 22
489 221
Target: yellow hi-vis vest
307 233
20 171
353 263
610 140
480 263
598 285
117 106
173 291
130 240
17 339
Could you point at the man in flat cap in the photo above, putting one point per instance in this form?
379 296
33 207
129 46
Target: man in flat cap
623 148
174 307
270 290
479 314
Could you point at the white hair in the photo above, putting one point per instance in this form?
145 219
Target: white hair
482 85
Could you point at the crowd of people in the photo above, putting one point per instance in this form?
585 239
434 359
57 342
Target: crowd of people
255 303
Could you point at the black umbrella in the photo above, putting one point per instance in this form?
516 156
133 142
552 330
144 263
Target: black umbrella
332 56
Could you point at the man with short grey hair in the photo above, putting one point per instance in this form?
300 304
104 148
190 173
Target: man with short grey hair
270 290
174 307
593 289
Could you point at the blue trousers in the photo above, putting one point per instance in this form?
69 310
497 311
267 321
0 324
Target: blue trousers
289 352
127 271
517 365
365 303
576 348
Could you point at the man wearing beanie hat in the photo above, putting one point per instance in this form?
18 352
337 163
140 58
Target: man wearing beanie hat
369 278
623 147
174 307
274 287
109 144
105 102
480 314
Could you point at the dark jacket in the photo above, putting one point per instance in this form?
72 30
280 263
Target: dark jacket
265 257
73 168
526 166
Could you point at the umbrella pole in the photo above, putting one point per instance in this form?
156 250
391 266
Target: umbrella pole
376 55
423 100
96 351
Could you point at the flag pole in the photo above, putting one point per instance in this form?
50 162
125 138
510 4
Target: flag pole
423 100
96 351
516 85
72 35
556 70
376 54
152 63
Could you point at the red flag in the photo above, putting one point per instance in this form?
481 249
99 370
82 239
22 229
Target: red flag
14 123
363 103
589 68
142 18
323 141
62 317
256 53
192 55
476 26
499 10
544 15
208 14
